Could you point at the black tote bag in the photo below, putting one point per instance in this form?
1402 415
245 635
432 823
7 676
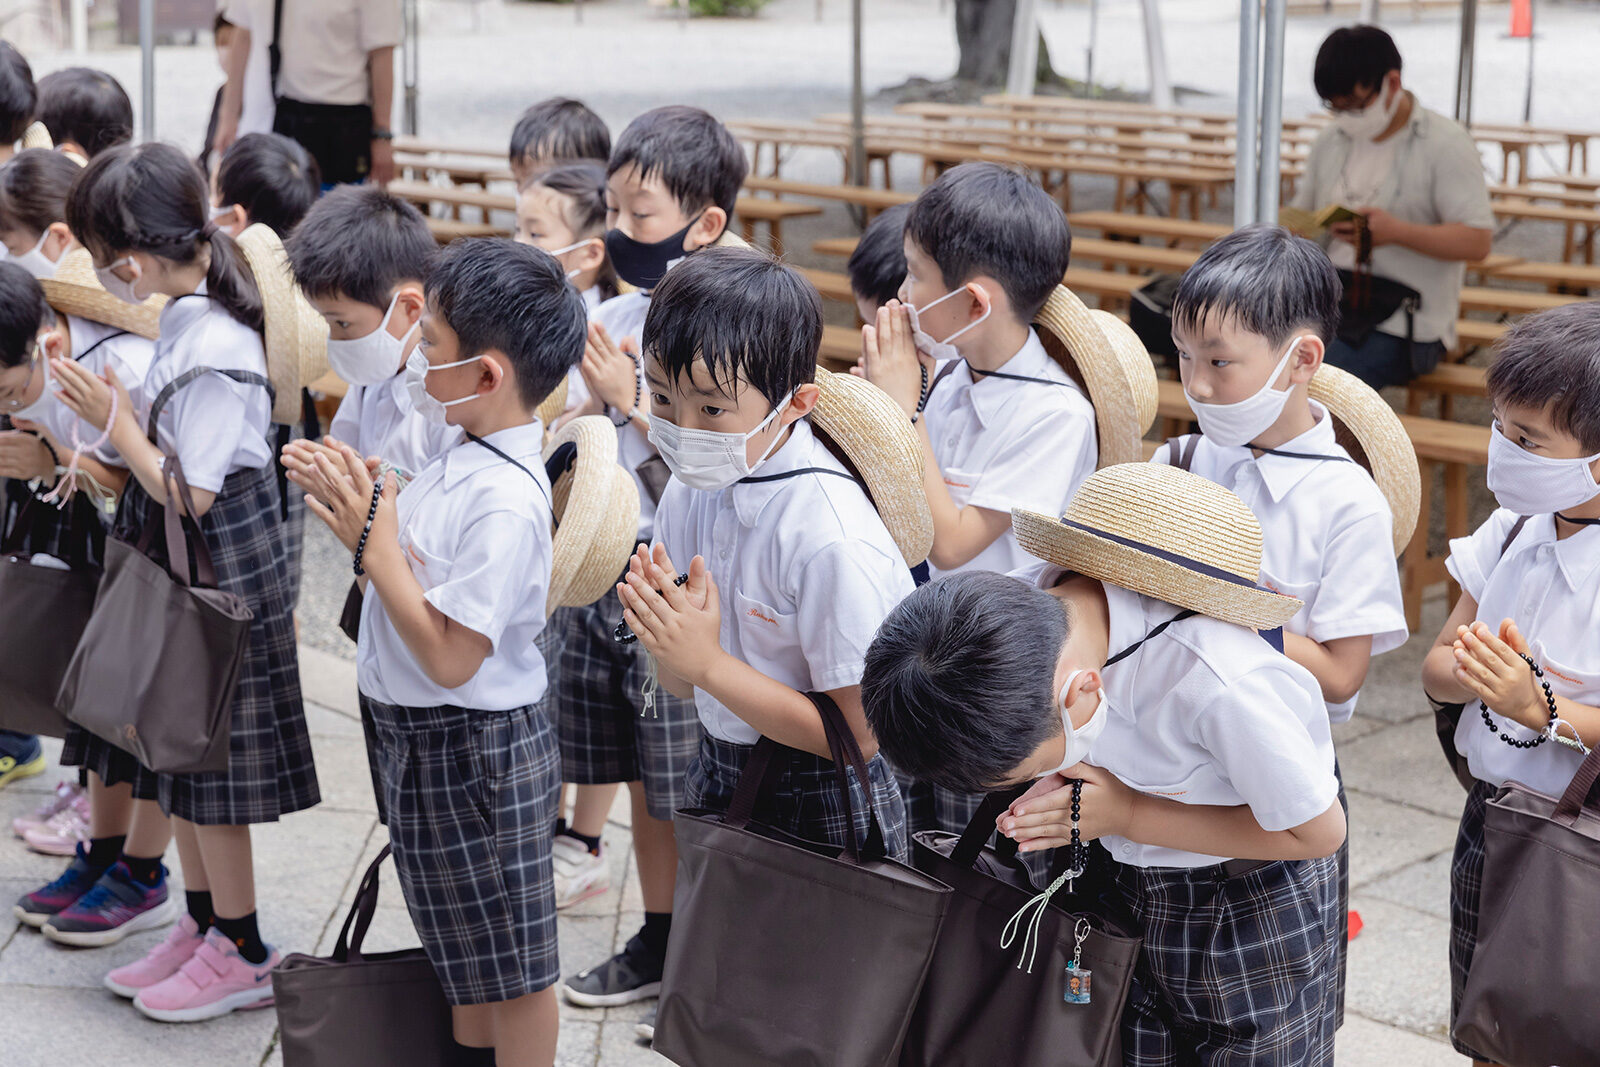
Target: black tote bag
789 952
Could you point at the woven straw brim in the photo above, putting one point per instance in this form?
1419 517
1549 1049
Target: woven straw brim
596 505
36 136
1118 375
1372 433
1171 511
296 336
75 291
551 407
873 431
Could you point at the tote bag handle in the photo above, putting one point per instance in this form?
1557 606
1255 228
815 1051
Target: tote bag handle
179 539
981 828
361 912
1579 789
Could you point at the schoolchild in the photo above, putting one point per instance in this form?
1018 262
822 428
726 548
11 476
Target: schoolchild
265 178
86 111
19 98
556 130
33 205
451 674
671 185
142 214
1530 587
877 265
1127 661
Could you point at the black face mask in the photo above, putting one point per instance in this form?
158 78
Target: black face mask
644 265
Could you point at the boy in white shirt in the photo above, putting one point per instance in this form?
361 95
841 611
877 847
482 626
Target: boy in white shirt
451 673
1530 597
1211 786
1251 321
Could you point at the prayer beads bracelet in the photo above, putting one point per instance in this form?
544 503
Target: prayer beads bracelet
1550 702
366 531
922 395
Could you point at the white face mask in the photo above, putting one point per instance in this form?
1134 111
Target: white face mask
1370 122
559 252
1079 739
36 365
224 211
1530 484
429 406
374 358
124 291
35 262
940 349
710 459
1241 422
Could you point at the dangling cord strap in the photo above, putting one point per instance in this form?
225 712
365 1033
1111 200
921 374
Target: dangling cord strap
652 682
69 477
1577 522
1077 861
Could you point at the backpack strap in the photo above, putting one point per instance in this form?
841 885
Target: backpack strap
1516 528
1181 450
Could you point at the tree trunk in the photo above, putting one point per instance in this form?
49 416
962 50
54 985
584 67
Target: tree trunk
983 36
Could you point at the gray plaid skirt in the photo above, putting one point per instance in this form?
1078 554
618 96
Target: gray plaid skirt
1466 887
804 801
270 770
471 802
1234 971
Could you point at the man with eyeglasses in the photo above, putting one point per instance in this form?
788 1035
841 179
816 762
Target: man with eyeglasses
1416 179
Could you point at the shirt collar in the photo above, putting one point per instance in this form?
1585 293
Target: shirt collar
182 312
522 443
802 449
1576 557
1280 474
1126 625
1031 361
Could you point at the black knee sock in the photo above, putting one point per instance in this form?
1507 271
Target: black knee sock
103 851
145 871
561 827
244 935
590 843
199 908
468 1056
657 925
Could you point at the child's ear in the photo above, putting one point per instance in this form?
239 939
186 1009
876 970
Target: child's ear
592 255
57 240
805 399
712 222
494 373
410 301
1308 356
987 297
54 343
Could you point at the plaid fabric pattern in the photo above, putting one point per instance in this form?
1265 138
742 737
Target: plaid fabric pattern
1466 887
294 542
1341 917
605 735
49 526
805 800
1234 970
114 766
270 771
471 799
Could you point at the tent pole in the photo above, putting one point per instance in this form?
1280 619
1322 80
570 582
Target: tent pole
1024 69
858 142
1270 182
147 69
1245 169
1464 55
410 64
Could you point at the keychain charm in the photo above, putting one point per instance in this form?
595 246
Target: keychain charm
1078 979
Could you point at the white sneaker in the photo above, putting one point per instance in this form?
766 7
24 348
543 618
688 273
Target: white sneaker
580 874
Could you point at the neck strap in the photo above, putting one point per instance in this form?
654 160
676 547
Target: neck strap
475 439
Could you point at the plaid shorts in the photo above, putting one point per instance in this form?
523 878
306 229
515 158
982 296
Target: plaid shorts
1234 971
804 801
471 802
1341 905
605 735
1466 886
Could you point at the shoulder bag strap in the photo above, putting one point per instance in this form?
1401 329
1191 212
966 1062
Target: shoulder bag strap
159 404
1516 528
179 542
1579 789
949 369
1183 454
361 912
981 828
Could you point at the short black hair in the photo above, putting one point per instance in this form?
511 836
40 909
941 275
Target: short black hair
33 189
513 298
1552 361
743 314
360 242
22 311
697 159
1267 280
878 264
559 129
87 107
274 179
985 218
1353 56
958 680
19 97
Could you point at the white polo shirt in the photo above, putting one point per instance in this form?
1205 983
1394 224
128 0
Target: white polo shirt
256 105
1003 443
380 420
623 317
1328 536
1552 590
804 566
95 347
325 45
476 531
214 424
1207 712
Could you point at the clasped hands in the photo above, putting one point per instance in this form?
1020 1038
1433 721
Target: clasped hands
680 625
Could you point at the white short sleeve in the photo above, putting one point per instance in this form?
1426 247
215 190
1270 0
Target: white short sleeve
380 24
1460 194
346 424
845 593
1037 466
1263 748
1359 594
210 416
499 565
1473 557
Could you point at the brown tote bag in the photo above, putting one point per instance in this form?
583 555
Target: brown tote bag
1532 985
981 1004
357 1010
790 952
155 670
43 611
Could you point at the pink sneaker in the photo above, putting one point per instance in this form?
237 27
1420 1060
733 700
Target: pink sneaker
214 981
161 963
65 794
62 834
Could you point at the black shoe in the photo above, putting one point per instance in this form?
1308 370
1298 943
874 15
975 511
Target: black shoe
632 974
646 1028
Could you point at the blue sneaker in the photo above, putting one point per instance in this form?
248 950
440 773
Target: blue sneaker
117 906
21 756
38 907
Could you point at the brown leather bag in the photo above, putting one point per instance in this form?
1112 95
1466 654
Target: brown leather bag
790 952
156 668
1532 984
43 611
356 1010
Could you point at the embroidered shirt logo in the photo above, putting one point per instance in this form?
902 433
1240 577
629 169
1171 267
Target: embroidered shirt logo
755 613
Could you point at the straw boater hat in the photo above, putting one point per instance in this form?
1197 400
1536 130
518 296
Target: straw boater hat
880 443
596 505
296 336
75 291
1367 428
1166 533
36 136
1102 354
551 407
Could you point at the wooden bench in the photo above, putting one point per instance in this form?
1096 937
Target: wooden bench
1572 219
1446 381
1511 301
460 171
421 146
841 347
446 230
1094 249
1580 278
1174 231
832 285
751 210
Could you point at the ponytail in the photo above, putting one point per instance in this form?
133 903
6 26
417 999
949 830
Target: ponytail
582 186
230 282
